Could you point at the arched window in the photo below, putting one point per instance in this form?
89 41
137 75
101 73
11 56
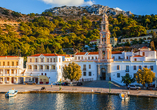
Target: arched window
127 57
45 74
92 58
135 59
143 53
41 73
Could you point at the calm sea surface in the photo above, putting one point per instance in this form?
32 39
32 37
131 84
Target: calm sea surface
75 102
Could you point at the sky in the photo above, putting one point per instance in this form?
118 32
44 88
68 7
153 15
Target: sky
138 7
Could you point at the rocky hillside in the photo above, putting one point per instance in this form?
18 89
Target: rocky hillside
86 10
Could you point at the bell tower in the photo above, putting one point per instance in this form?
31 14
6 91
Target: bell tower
104 46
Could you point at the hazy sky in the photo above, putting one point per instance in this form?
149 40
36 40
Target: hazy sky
140 7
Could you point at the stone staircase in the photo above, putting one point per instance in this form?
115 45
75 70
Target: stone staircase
101 84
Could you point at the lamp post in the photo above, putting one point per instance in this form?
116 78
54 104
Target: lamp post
109 86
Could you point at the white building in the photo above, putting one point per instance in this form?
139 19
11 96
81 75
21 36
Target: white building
48 65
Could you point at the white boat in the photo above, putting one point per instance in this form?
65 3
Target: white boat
124 95
11 93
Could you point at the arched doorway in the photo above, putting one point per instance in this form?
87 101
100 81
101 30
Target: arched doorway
103 74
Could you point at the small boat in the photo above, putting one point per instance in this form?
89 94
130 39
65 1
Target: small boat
11 93
123 95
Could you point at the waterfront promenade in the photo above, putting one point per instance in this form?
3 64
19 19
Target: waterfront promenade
75 89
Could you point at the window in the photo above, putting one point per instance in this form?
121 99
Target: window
119 57
54 60
45 74
75 58
3 63
35 66
59 59
42 59
127 68
92 58
53 67
145 66
151 67
29 67
41 73
118 67
84 67
118 75
90 73
113 57
41 66
8 64
140 67
47 67
96 58
50 59
143 53
30 59
12 63
89 66
47 59
79 58
84 73
12 71
127 57
17 63
36 59
88 58
59 66
135 59
82 58
134 67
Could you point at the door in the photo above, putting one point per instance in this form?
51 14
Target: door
103 73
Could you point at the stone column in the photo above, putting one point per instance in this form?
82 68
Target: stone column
17 72
50 67
37 67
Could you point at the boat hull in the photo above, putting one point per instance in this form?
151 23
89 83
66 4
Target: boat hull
11 94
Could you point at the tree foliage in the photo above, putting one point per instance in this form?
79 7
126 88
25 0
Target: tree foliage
145 76
127 79
72 72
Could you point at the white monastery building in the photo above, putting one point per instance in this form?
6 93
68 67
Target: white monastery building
102 65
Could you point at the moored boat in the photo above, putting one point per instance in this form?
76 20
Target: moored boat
11 93
123 95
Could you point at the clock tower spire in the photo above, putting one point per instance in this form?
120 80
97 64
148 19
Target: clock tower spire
105 48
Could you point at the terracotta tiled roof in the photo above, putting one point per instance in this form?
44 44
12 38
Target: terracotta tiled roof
93 53
80 53
53 54
137 56
117 52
